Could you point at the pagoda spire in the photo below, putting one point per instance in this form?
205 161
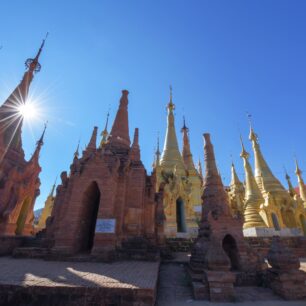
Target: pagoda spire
104 133
234 177
200 169
253 197
119 135
187 156
214 195
39 144
265 179
10 117
156 161
92 145
76 153
157 153
53 188
302 187
291 189
236 193
135 149
171 156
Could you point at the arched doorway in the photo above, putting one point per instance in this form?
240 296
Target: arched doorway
303 223
22 216
275 221
90 202
230 248
180 216
291 219
288 218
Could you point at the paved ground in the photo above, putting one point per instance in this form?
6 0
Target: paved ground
34 272
173 288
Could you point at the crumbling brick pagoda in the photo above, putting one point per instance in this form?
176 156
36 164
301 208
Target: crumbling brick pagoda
220 257
107 200
19 182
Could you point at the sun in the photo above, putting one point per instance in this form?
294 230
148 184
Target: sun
28 110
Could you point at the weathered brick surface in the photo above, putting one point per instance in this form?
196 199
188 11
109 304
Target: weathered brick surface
297 245
9 243
115 175
220 246
285 277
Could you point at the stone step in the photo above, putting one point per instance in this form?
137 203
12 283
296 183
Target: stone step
30 252
31 242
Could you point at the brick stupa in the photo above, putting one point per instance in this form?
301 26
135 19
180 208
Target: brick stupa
220 256
19 181
108 202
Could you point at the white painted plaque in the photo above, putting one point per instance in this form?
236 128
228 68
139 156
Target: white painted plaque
197 208
105 225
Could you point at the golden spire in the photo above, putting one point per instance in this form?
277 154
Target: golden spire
290 187
170 104
104 133
234 177
253 197
302 187
265 179
236 193
171 155
187 156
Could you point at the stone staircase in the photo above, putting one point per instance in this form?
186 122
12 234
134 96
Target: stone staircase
138 249
30 248
180 244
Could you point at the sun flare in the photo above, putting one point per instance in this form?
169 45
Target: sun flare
28 110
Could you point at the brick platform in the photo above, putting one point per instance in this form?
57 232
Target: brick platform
297 245
38 282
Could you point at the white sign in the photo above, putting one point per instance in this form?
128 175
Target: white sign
197 208
105 226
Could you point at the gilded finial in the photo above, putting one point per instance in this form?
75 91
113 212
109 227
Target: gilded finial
171 106
244 153
297 168
104 133
252 136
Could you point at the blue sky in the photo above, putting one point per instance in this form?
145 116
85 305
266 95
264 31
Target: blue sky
223 58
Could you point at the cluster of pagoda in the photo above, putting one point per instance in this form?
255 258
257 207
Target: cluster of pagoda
262 202
263 205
